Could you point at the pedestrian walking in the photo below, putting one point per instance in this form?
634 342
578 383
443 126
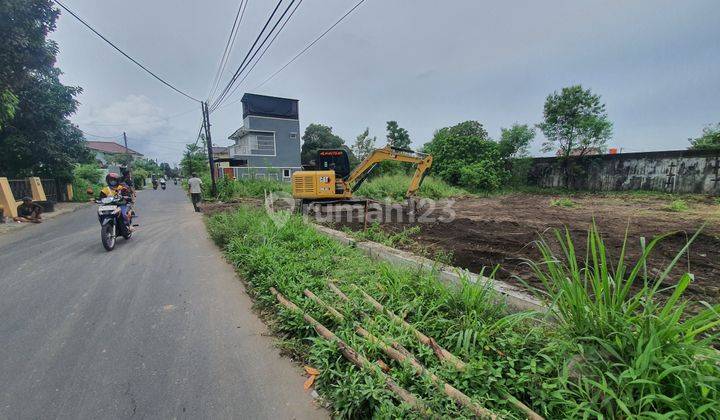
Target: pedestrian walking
195 186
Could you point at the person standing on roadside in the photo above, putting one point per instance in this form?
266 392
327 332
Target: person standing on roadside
195 186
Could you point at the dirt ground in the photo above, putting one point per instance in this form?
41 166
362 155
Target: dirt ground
501 231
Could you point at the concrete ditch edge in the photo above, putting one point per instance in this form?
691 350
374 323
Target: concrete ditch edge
515 297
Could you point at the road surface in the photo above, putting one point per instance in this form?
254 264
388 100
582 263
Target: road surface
158 328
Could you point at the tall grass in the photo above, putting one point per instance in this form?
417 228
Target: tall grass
643 353
395 186
504 353
227 189
616 351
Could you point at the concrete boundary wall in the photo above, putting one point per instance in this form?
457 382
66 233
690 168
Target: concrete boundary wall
675 171
517 298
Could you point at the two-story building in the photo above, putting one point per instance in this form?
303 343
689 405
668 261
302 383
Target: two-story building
268 143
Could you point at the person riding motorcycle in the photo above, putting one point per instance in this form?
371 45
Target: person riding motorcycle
115 187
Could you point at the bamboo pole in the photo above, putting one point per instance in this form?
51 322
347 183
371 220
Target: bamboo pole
532 415
324 305
353 356
449 390
439 351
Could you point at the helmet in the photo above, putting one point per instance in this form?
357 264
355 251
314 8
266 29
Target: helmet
112 179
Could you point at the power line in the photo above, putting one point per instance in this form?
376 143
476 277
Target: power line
311 44
121 124
264 51
123 53
228 47
252 47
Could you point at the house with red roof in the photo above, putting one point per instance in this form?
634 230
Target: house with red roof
107 152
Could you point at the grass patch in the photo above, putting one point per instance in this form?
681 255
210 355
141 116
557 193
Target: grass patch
613 354
395 187
678 206
562 202
375 233
227 189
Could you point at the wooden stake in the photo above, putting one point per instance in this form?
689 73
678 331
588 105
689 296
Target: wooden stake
353 356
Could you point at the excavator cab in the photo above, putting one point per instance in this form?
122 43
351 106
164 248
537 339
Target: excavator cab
335 160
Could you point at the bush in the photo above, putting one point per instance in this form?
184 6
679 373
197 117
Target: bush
464 155
88 172
395 187
562 202
84 177
678 206
482 176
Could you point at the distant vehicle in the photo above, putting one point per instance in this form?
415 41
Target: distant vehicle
112 223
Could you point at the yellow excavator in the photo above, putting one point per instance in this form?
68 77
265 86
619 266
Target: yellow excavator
333 182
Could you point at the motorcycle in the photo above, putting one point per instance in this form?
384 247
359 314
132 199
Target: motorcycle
175 181
155 184
112 223
163 184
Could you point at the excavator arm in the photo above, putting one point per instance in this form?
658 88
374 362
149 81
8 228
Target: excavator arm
421 160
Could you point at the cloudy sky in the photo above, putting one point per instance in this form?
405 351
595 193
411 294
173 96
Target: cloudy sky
425 63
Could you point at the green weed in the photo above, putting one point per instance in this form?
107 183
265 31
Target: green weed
375 233
562 202
678 206
640 355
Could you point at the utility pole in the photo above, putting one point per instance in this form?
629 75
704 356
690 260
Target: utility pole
208 140
127 151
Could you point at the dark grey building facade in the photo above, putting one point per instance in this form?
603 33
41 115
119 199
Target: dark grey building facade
268 143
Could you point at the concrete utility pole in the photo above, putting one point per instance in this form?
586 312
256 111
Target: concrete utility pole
208 140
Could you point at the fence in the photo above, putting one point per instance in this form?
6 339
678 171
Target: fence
676 171
52 187
20 188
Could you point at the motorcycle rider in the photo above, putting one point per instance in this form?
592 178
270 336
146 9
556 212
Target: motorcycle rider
115 187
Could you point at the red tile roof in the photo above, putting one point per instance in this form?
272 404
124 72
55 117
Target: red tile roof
110 147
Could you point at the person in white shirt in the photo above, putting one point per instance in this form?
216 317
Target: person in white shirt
195 185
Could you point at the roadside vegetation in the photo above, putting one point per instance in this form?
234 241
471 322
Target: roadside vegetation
395 186
614 351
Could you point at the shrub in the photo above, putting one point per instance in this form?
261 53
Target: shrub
395 187
84 177
562 202
88 172
482 176
678 206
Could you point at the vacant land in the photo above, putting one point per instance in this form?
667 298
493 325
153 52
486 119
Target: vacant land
501 230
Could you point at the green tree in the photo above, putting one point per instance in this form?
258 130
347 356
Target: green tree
515 141
397 136
465 155
575 122
364 144
194 160
36 136
709 140
316 137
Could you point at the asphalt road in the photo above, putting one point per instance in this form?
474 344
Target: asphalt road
160 327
